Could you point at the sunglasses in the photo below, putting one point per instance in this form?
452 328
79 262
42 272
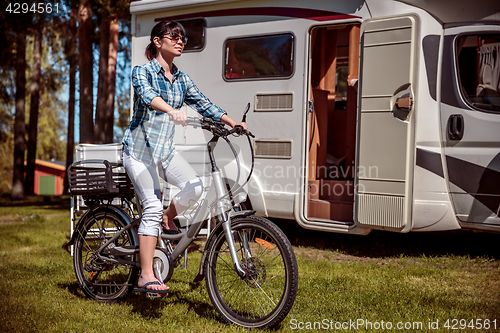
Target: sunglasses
176 37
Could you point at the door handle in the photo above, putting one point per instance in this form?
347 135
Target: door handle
456 127
404 103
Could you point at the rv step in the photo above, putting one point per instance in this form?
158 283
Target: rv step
331 190
331 210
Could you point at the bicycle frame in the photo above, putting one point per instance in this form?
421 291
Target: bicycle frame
222 205
201 215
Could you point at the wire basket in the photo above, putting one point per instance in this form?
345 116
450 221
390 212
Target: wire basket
97 177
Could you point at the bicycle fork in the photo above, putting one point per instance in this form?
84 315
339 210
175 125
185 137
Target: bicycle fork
223 205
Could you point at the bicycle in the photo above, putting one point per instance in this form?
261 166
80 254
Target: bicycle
248 263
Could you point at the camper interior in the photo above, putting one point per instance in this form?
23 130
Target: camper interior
334 56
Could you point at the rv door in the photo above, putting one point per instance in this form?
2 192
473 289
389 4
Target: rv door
470 122
385 147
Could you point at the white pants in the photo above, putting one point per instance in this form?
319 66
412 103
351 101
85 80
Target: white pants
147 186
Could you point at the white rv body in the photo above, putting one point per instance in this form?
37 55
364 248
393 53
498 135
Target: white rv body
353 134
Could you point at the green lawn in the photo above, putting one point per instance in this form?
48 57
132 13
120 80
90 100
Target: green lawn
362 282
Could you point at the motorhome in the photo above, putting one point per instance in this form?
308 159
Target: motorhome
367 114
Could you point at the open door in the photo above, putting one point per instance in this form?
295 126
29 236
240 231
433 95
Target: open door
385 147
332 123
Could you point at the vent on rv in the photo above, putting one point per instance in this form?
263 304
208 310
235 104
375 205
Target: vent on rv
274 102
273 148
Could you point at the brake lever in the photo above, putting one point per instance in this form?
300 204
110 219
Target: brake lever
244 119
238 129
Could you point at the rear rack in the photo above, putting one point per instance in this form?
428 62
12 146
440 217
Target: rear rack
90 178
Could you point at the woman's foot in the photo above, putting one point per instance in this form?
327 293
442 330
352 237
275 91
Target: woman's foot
156 287
168 225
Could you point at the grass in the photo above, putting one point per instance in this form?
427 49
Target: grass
422 278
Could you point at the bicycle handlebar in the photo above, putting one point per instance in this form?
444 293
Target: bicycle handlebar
216 127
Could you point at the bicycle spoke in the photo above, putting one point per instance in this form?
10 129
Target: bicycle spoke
249 295
264 294
99 278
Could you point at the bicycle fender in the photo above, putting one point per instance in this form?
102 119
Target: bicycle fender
81 223
218 228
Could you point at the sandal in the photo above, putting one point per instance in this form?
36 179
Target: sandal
170 232
151 292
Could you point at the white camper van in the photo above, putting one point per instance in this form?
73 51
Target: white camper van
368 114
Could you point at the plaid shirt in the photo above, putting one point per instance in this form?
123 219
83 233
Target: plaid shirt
149 136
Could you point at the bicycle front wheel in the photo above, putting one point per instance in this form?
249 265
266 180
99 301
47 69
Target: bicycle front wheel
265 295
101 279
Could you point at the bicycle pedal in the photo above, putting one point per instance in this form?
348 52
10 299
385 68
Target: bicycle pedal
155 295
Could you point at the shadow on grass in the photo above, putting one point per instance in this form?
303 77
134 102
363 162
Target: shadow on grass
153 308
380 244
57 202
73 288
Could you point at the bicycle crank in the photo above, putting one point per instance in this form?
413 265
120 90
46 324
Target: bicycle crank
163 266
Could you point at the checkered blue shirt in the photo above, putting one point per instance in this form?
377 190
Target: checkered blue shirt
149 136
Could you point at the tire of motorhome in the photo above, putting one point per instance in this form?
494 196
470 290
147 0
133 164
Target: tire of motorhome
265 295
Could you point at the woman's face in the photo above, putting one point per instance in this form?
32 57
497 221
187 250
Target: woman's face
170 45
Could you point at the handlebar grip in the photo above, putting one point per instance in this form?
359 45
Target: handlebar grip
238 129
192 121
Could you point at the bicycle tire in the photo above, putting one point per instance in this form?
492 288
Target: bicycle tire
263 298
101 280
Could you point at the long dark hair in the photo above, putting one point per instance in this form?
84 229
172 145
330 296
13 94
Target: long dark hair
160 30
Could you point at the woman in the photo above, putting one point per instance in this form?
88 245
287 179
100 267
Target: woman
160 89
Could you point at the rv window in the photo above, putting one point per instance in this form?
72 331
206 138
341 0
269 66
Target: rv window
195 32
259 57
341 83
479 68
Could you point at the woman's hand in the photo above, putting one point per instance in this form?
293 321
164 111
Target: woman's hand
178 117
244 125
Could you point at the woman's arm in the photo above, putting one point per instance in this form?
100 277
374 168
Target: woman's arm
150 96
200 103
177 116
228 121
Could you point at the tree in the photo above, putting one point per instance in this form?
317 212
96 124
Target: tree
102 86
112 56
86 72
38 23
29 187
19 122
45 133
110 14
72 60
7 101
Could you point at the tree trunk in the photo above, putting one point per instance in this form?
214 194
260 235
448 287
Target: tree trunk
29 186
72 60
86 72
110 102
102 89
20 121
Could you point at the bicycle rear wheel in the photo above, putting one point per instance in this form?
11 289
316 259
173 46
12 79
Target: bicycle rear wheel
100 279
265 295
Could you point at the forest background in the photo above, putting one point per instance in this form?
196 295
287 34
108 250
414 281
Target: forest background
61 62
